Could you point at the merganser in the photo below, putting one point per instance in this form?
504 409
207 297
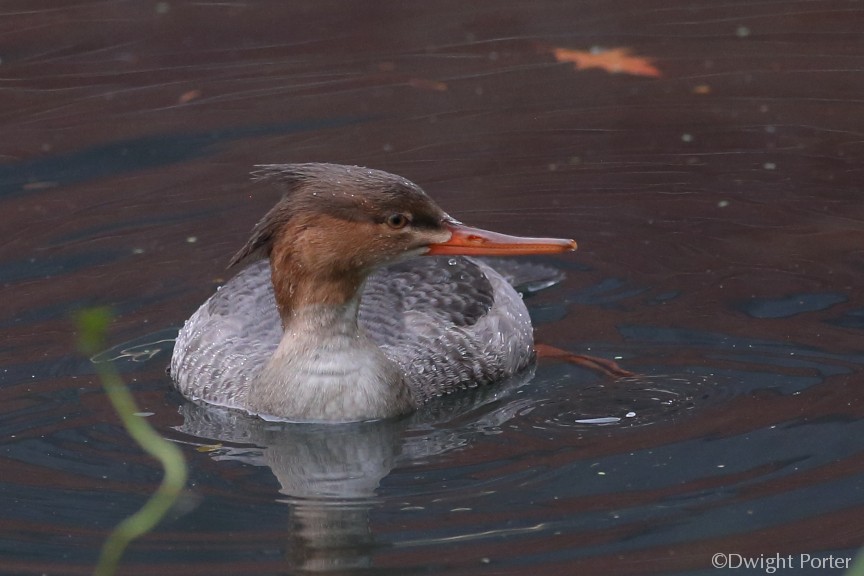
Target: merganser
341 321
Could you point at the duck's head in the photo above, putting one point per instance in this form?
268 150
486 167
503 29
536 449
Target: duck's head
337 223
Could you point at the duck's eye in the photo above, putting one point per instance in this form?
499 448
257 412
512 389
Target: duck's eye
397 221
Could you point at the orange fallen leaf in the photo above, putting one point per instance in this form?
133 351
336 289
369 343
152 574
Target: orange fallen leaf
613 60
189 96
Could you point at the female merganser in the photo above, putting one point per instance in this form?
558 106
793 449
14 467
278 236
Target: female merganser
345 323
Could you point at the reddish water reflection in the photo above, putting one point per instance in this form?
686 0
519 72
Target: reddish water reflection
718 212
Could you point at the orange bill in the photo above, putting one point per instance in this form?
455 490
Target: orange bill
468 241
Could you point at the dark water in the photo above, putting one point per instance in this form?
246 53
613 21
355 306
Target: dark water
716 198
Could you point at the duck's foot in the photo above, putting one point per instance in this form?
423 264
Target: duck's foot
602 365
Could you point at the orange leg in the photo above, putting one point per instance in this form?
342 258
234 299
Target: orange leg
608 367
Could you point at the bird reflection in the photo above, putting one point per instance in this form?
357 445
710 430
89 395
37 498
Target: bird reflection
328 474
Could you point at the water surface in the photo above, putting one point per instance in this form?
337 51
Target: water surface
707 157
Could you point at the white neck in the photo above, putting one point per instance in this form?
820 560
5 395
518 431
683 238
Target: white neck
327 369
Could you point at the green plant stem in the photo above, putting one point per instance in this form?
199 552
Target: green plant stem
92 326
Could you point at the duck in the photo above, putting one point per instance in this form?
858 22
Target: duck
358 299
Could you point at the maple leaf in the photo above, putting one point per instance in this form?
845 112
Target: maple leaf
612 60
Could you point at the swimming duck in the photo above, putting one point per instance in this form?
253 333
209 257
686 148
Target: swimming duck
362 301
